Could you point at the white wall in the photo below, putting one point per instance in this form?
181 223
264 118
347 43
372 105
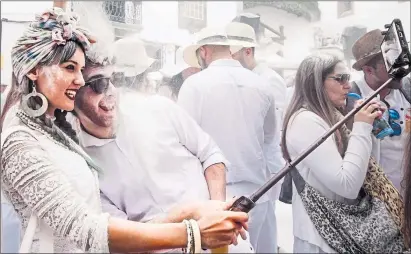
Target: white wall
220 13
23 10
160 13
16 11
10 33
372 14
299 35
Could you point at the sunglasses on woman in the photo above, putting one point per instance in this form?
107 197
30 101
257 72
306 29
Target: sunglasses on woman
341 78
99 85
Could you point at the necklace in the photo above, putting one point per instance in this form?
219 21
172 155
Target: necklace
61 139
54 133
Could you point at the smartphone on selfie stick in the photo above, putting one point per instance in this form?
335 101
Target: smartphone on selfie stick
396 56
395 51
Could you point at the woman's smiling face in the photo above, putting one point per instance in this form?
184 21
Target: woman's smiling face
59 83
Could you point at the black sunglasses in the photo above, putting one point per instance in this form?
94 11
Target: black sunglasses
99 85
342 78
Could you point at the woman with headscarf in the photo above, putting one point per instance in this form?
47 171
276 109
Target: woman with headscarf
47 177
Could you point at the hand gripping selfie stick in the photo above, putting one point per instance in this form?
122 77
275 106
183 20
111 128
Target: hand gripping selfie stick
397 71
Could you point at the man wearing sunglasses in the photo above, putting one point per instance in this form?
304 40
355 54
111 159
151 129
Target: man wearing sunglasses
389 152
153 154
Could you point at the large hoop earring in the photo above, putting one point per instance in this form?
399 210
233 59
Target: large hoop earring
28 109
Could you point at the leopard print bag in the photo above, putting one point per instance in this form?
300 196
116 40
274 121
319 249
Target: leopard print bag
372 225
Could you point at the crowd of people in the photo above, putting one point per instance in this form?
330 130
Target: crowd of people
94 161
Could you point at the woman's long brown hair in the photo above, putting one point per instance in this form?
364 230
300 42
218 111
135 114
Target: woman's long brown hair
407 194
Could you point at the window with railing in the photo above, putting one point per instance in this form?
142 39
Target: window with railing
128 12
344 8
194 10
192 15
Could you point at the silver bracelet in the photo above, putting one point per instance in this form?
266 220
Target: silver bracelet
190 238
197 236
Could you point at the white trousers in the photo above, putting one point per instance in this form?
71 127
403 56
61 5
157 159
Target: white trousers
263 228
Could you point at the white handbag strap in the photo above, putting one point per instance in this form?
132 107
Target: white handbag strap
25 246
45 235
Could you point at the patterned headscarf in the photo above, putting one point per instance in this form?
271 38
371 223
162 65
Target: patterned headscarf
51 28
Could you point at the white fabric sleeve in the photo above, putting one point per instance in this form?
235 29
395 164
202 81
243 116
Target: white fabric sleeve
344 176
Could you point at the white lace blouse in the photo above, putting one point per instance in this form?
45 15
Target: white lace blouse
41 176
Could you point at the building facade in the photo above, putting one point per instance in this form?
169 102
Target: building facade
15 16
343 22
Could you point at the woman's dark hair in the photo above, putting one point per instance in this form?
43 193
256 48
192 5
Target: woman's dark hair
407 194
135 82
310 93
175 84
61 54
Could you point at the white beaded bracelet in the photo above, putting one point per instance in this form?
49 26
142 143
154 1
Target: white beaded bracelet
190 238
197 236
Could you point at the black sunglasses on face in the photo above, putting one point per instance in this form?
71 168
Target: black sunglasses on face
99 85
342 78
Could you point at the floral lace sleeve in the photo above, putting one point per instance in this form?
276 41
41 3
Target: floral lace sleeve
32 180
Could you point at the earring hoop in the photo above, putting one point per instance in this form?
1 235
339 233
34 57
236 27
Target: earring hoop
28 109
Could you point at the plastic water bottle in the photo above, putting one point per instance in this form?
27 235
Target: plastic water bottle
381 127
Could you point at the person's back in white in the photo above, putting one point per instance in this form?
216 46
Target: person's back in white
245 36
235 106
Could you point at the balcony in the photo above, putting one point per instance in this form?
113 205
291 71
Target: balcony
125 16
192 15
306 9
128 12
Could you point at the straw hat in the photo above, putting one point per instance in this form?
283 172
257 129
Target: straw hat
241 34
131 57
206 36
180 65
367 47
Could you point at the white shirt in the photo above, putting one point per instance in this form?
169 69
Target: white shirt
279 89
324 169
289 96
389 152
237 108
158 158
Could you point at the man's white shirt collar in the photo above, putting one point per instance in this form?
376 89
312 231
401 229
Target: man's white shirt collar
85 139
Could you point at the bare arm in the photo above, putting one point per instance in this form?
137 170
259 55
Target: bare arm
129 236
215 177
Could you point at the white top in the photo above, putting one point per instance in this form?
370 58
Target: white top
158 158
41 176
389 152
237 108
324 169
289 96
279 89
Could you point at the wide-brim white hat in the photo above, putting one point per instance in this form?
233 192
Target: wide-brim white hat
241 34
180 65
172 70
207 36
131 57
